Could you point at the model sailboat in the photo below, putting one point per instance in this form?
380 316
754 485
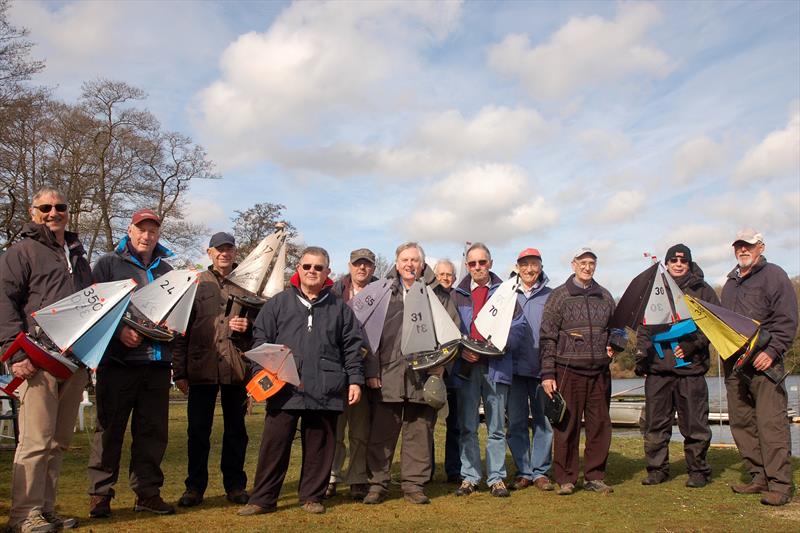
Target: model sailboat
163 306
370 306
430 338
494 320
277 369
78 328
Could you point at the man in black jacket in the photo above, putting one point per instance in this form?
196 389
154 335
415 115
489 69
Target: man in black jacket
325 339
683 389
757 407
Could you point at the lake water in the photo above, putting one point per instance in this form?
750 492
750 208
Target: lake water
721 434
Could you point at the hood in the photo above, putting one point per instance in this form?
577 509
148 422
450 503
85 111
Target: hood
42 234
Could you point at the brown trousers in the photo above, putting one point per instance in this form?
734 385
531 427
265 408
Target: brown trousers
416 421
352 423
586 397
46 426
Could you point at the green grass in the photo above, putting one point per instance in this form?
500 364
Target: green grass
632 507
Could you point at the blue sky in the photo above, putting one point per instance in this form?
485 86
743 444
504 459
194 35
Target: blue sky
625 126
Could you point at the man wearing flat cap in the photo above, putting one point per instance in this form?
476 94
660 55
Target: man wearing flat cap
354 421
762 291
208 361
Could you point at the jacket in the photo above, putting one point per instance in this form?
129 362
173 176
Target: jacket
526 359
766 294
695 346
123 264
34 274
501 369
399 382
574 330
325 340
341 287
207 354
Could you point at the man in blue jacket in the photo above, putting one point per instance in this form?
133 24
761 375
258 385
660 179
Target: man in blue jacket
531 456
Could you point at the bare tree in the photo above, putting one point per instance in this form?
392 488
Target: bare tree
16 66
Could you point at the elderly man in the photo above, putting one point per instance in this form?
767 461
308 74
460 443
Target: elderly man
133 381
668 388
757 406
575 360
532 456
354 418
325 340
48 264
488 378
396 391
208 361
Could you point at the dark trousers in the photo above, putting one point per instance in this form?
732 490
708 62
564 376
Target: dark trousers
142 394
688 395
416 422
760 429
200 412
587 397
452 452
317 437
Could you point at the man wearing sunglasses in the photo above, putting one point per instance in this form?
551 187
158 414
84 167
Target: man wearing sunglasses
683 389
762 291
48 264
325 339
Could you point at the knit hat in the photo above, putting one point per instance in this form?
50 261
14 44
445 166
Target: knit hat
678 250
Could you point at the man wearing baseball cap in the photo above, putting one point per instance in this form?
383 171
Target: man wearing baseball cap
762 291
532 456
208 360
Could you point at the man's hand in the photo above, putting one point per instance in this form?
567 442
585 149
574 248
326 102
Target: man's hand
762 361
130 337
549 387
610 351
238 324
374 383
354 394
678 352
469 356
183 386
24 369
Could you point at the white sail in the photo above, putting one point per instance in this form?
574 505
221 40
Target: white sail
681 309
156 299
446 329
418 335
657 309
275 283
178 318
251 272
68 319
494 320
278 359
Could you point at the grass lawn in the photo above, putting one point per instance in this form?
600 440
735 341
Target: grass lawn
632 507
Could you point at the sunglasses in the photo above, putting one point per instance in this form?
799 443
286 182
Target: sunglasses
46 208
681 260
317 268
481 262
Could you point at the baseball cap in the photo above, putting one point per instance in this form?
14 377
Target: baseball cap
145 214
434 392
218 239
580 252
362 253
749 235
529 252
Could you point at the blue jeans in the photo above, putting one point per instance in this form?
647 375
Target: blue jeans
533 457
478 387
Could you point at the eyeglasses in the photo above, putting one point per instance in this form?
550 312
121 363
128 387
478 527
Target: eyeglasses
317 268
481 262
46 208
676 260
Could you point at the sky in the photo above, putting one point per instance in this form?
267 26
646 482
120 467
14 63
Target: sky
623 126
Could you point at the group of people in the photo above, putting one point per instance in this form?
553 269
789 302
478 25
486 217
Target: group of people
558 344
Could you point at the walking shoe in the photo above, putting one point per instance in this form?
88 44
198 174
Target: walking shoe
330 492
597 485
314 507
191 498
153 504
61 522
35 523
238 496
566 489
543 483
466 488
520 483
99 506
654 479
252 509
750 488
499 490
374 497
696 481
358 491
417 497
776 498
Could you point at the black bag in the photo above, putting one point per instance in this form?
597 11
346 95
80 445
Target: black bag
554 408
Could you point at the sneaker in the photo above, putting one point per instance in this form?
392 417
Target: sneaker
314 507
466 488
499 490
654 479
750 488
358 491
520 483
252 509
99 506
374 497
61 522
35 523
237 496
330 492
776 498
696 482
153 504
543 483
191 498
417 497
566 489
597 485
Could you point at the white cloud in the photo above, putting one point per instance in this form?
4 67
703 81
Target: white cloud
207 212
604 144
696 157
777 156
622 205
586 51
